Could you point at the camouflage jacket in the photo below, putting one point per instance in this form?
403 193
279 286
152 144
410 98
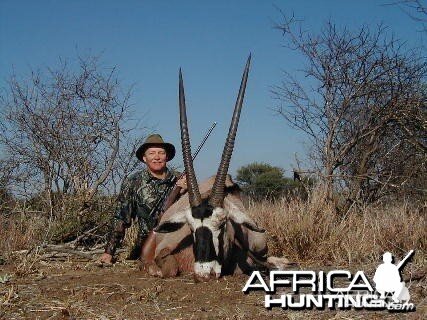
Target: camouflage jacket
138 195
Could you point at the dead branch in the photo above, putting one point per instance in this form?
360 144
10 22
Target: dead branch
64 249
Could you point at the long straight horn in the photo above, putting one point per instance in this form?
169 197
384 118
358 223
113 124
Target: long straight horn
193 188
217 195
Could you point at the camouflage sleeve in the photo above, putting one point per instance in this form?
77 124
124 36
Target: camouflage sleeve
122 218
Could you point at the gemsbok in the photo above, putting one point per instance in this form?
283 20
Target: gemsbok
207 231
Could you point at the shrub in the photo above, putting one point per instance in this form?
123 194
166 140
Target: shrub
262 181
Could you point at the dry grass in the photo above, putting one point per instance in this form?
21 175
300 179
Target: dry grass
307 232
311 232
20 232
131 237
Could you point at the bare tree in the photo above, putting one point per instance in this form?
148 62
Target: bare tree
415 9
63 131
361 95
6 178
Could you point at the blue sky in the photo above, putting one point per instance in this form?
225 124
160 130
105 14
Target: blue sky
149 40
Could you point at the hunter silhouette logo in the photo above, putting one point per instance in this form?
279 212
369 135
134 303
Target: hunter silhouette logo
388 280
327 289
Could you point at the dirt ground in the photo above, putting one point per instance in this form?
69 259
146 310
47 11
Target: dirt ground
81 290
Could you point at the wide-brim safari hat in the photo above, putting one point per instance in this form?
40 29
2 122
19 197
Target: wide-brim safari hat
156 140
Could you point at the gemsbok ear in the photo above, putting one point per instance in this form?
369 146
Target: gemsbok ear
238 217
248 223
253 227
173 224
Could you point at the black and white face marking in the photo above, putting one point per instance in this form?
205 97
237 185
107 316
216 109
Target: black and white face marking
208 227
209 231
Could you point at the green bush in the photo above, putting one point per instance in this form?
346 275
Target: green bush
263 181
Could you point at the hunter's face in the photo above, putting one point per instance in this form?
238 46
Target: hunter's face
155 159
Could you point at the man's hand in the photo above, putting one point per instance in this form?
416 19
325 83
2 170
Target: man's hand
106 258
182 183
